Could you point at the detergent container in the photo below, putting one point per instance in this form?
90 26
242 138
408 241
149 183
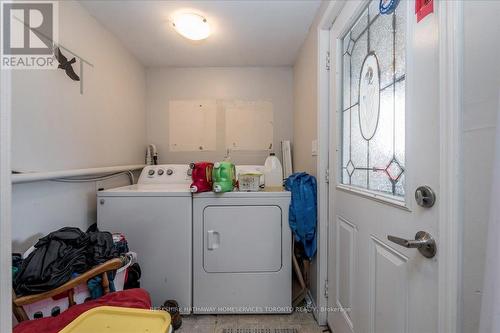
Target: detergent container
201 174
224 176
273 172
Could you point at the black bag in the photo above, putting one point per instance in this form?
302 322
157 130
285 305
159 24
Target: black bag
133 276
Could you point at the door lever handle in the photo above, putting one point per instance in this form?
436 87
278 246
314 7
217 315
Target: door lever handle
411 244
423 241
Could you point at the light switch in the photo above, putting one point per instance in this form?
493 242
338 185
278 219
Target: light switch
314 148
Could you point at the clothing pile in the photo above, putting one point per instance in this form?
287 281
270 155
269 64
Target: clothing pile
303 210
61 254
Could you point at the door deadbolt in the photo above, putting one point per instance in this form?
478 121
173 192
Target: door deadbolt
425 196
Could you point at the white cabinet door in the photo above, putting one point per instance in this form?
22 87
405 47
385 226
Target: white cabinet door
242 239
384 144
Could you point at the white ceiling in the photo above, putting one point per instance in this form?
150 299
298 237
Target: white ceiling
245 33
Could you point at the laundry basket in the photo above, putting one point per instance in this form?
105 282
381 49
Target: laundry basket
112 319
81 293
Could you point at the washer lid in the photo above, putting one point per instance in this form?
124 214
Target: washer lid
148 190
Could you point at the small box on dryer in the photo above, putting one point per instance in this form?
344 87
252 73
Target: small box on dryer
250 182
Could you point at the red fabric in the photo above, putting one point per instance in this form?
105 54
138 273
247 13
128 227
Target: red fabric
131 298
423 8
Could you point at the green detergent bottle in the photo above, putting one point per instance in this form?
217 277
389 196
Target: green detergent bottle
224 177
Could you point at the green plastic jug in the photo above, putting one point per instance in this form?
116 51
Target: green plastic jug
224 177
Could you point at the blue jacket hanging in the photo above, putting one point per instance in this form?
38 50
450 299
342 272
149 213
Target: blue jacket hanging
303 210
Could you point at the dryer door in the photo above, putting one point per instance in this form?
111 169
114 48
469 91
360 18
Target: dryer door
242 239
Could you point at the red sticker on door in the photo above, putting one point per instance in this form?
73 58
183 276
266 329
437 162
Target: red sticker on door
423 8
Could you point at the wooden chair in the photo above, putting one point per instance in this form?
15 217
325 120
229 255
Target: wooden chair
102 269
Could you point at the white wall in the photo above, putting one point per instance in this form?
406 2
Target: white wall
273 84
305 96
56 128
481 95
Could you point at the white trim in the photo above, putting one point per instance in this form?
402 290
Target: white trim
380 197
325 23
39 176
322 167
450 213
5 203
330 15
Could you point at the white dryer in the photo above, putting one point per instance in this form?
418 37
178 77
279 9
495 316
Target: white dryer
241 252
156 217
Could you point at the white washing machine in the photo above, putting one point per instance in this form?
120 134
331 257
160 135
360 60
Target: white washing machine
241 252
156 217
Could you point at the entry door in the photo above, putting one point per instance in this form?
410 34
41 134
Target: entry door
384 144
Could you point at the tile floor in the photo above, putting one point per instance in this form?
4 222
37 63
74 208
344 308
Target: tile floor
303 322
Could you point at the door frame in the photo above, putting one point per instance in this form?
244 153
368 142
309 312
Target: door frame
450 198
323 123
451 51
5 202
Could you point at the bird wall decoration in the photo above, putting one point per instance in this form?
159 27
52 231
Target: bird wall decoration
66 65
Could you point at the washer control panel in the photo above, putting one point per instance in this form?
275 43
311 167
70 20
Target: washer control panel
165 174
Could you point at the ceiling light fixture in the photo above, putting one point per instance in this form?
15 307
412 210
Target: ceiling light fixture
191 26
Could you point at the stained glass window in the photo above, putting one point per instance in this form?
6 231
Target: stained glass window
373 101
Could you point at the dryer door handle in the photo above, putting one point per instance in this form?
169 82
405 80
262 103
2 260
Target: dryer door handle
213 240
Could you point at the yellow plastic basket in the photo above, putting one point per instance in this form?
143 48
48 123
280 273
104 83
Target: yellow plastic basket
112 319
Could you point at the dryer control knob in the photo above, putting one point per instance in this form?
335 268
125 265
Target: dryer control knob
151 172
161 172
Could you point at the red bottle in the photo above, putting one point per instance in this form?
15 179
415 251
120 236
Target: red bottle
201 174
